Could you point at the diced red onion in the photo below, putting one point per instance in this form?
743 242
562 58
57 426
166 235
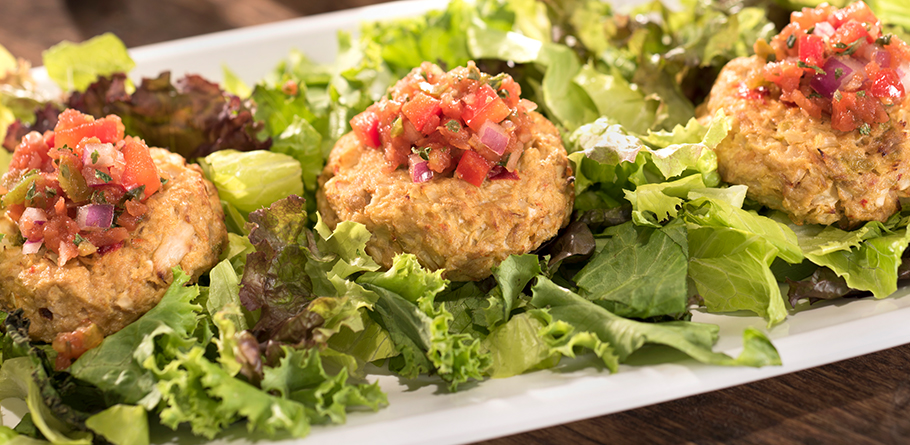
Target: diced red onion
828 82
33 215
494 137
823 29
30 247
500 172
95 216
882 58
904 72
527 105
105 155
419 169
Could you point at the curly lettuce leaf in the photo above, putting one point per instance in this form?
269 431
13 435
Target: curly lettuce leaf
627 336
418 327
115 365
533 340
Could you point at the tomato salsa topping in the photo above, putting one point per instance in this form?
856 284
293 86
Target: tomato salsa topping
837 62
463 122
79 189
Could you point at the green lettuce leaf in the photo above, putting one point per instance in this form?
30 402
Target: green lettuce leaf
254 179
110 424
74 66
626 336
639 273
867 258
418 327
116 365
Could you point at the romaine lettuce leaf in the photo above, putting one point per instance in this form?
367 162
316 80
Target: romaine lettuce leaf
254 179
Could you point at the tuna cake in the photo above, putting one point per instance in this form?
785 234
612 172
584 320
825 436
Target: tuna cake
452 167
94 222
820 118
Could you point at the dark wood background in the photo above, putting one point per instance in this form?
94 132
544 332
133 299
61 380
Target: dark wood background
865 400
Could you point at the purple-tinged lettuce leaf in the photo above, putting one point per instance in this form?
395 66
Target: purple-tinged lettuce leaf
276 278
193 117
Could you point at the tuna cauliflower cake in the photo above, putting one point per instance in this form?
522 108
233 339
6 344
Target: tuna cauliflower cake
820 119
93 224
453 168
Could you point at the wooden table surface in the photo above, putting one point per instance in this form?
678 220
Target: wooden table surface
865 400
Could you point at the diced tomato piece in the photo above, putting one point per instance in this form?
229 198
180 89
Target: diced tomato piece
847 34
812 50
484 105
71 345
858 12
473 168
366 127
886 83
140 170
31 154
511 91
421 110
803 102
73 127
808 17
785 74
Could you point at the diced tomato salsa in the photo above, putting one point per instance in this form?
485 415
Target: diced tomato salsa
79 189
837 63
462 123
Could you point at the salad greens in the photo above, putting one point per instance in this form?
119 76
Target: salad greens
283 332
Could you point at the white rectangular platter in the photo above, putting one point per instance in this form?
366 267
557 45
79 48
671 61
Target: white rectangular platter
423 412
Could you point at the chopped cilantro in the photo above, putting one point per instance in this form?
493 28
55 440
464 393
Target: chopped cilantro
848 49
838 72
861 93
453 126
78 240
865 129
98 197
424 152
473 73
95 156
103 176
496 81
884 39
31 192
50 193
791 40
136 193
802 64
